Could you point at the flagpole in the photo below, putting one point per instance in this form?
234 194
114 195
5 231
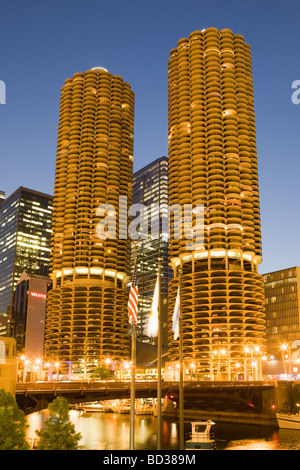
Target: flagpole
159 345
133 367
132 388
181 394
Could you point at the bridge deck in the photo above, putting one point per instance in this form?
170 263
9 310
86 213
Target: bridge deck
34 396
42 387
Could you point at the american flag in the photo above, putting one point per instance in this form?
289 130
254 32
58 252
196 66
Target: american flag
132 306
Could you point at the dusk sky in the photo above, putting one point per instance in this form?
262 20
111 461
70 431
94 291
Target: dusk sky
44 43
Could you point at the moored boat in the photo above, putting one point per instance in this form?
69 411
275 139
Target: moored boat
200 437
95 407
125 409
288 420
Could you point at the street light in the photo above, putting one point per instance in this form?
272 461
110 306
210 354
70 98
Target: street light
219 353
193 368
254 364
286 347
57 369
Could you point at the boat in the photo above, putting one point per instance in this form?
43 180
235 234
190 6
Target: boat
200 437
95 407
125 409
144 409
288 420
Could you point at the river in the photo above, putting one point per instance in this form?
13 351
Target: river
111 431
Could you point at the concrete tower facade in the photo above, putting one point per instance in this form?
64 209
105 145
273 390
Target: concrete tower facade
213 165
86 313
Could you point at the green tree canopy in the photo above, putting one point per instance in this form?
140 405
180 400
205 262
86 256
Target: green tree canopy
58 432
102 373
12 424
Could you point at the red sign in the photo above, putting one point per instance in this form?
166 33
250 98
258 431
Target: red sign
38 295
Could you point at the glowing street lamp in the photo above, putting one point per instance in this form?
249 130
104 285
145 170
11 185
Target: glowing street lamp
219 353
193 369
254 364
286 348
57 369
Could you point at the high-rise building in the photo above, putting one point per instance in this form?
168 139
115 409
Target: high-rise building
150 189
30 313
86 318
25 232
282 292
2 198
213 167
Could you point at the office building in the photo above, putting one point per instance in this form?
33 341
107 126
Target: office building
86 319
29 314
25 232
213 167
150 189
282 292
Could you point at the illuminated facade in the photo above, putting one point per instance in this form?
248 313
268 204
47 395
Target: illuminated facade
213 164
86 318
29 314
282 292
25 233
150 188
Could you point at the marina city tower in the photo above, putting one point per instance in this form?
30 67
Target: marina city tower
87 318
213 167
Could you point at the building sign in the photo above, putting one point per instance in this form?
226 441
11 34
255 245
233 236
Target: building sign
37 295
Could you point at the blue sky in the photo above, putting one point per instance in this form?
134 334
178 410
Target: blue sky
43 43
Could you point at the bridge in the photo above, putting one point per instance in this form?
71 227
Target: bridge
205 395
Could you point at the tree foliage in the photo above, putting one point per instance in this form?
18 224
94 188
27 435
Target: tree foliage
58 432
102 373
12 424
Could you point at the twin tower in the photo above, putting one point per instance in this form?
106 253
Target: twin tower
212 165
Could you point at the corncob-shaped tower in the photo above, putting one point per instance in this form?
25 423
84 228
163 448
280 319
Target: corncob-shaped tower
213 165
86 313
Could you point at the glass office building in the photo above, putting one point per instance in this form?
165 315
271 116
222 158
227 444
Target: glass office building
25 232
282 292
150 189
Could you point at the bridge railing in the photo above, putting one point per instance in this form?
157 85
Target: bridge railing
26 387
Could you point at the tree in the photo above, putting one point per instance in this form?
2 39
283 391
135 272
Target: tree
102 373
58 432
12 424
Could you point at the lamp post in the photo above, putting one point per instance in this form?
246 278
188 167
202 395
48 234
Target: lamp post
57 370
21 368
237 367
219 353
192 368
37 368
286 347
254 364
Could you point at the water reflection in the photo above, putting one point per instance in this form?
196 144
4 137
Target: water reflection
112 432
